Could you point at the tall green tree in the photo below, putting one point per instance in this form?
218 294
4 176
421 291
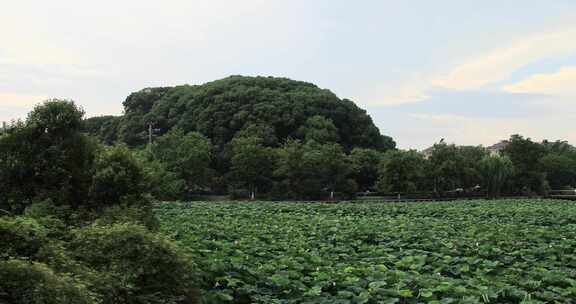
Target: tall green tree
189 155
163 184
496 171
560 169
291 172
469 158
118 179
105 128
133 127
455 167
252 164
333 166
526 155
366 165
313 170
46 157
402 171
445 167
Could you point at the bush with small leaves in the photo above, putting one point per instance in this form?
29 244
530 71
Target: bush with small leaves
143 215
135 265
21 237
118 178
22 281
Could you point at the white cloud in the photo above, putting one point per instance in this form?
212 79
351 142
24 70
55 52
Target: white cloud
487 131
24 52
500 63
492 66
19 100
440 118
483 131
15 106
403 95
395 92
560 83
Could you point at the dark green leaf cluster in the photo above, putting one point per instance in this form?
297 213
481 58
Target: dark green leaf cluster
118 263
47 157
522 167
280 107
103 127
541 166
134 265
87 230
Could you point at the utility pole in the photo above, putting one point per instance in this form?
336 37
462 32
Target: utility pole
150 134
150 130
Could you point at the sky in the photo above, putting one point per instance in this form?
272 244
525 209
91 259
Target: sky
471 72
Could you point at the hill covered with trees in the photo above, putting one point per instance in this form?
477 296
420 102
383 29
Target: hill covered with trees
75 214
273 108
287 139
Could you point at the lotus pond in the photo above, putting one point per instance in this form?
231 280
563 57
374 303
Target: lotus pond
502 251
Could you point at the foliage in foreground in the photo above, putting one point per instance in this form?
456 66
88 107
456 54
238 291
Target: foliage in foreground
54 180
503 251
23 281
134 265
121 263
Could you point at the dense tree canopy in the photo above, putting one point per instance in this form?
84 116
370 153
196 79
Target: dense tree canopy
526 154
455 167
188 155
252 164
402 171
313 171
103 127
495 171
366 163
46 157
279 107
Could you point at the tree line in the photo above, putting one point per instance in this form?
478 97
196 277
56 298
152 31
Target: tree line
276 138
319 168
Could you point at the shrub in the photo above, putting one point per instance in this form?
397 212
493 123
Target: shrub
163 183
135 265
21 237
31 282
118 178
143 215
239 194
54 218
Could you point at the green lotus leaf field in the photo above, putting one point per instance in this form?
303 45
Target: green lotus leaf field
501 251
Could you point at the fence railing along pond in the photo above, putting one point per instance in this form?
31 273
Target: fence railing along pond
563 194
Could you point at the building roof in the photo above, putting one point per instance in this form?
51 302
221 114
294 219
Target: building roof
498 146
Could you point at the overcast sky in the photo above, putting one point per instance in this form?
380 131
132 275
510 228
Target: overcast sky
472 72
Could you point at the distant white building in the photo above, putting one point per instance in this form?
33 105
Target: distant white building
427 152
496 149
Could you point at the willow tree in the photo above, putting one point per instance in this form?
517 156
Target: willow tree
495 170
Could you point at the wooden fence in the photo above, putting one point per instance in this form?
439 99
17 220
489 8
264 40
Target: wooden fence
562 194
